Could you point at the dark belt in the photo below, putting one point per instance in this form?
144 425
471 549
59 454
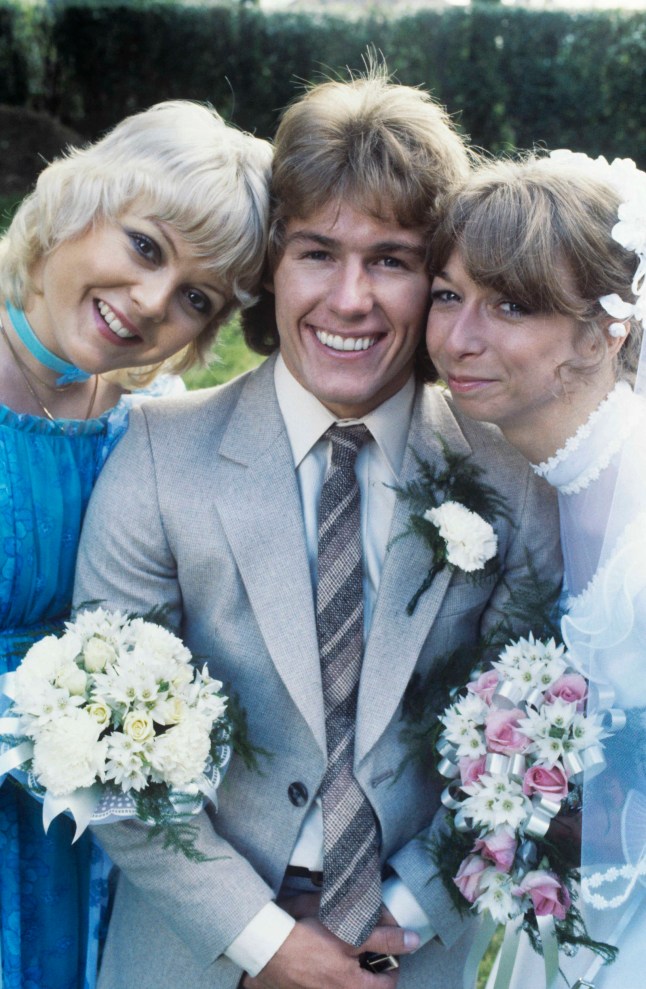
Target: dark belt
299 872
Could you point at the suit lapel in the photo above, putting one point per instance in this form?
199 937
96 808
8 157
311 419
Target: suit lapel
396 638
259 504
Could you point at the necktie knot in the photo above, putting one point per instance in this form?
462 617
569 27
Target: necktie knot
346 442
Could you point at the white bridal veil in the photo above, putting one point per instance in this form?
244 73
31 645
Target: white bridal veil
605 630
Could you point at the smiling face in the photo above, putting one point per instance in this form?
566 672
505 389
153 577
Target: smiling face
352 296
126 293
509 366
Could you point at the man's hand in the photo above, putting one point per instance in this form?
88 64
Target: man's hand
313 958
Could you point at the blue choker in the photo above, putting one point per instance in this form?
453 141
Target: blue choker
68 373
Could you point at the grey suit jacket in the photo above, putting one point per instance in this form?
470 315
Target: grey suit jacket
198 509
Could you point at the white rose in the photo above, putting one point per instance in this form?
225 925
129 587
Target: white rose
97 654
470 541
138 725
180 754
170 711
72 679
68 754
100 711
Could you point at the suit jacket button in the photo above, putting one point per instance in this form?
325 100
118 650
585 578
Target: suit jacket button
297 793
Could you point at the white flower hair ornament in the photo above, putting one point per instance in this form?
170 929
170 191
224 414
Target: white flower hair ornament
629 231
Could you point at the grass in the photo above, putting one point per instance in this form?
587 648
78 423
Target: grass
229 357
489 958
7 206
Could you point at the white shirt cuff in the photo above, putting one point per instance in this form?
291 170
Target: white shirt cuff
398 899
259 941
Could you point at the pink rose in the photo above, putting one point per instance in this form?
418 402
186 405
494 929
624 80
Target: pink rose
501 732
498 847
551 783
571 688
485 685
468 877
549 896
471 769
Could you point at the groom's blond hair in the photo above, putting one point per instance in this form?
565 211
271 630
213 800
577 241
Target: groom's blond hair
388 149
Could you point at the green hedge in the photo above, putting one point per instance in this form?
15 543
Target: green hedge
523 77
515 77
14 70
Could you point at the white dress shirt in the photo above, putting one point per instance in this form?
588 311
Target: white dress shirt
378 466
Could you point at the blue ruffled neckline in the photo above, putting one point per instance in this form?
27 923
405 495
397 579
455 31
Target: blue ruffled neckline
29 423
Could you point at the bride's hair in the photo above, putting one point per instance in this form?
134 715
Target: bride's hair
538 231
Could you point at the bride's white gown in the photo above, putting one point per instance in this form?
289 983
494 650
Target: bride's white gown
600 476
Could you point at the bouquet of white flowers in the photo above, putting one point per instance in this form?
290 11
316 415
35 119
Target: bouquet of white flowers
112 719
515 745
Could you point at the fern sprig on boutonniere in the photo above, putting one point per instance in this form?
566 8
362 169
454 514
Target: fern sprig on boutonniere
453 510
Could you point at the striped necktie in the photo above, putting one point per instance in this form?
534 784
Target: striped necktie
351 894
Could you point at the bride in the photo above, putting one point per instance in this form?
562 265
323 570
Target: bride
538 303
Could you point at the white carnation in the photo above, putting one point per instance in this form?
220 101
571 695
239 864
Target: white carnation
163 648
43 661
68 753
470 541
180 754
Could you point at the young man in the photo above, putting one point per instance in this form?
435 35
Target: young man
230 522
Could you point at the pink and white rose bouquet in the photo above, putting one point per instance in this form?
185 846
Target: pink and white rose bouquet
514 745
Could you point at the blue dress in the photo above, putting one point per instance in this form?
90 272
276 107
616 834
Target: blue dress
53 895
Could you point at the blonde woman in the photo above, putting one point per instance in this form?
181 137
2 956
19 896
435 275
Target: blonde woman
120 265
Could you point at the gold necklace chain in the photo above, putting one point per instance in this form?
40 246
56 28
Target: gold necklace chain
26 371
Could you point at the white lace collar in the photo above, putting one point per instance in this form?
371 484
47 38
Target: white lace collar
589 451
